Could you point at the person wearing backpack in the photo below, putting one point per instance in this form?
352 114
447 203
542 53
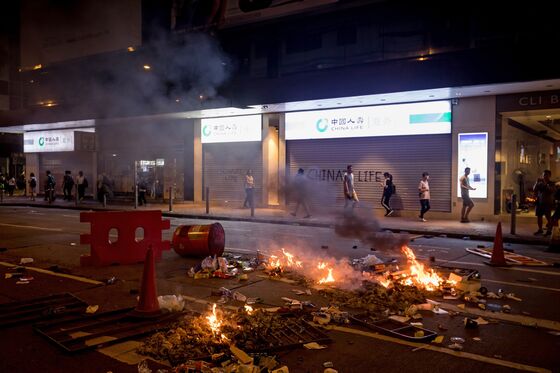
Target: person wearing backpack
33 185
82 183
49 187
388 190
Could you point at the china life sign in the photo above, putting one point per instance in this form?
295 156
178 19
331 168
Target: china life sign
48 141
421 118
231 129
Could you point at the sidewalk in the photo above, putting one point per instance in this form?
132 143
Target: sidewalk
476 230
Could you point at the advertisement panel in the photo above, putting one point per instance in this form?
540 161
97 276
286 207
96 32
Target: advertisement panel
48 141
423 118
231 129
473 153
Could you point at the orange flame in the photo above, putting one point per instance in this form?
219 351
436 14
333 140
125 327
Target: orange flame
286 261
213 321
248 309
420 277
328 279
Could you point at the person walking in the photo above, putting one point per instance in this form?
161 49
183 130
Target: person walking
82 184
544 190
350 195
67 185
33 185
468 204
50 184
424 194
249 189
300 192
142 189
11 186
388 189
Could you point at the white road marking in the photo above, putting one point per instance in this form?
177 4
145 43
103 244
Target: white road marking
520 285
32 227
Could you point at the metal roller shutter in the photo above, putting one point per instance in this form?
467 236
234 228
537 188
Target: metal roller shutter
405 157
225 166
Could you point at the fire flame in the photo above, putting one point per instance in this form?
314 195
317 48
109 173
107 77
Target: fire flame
287 260
213 321
420 277
327 279
248 309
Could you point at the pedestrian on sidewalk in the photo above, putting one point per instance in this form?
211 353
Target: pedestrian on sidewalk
33 185
82 184
11 186
67 185
544 190
468 204
300 191
350 195
142 189
249 189
50 183
424 194
388 189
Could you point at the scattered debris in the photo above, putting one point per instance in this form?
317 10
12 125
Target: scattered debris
439 339
314 346
92 309
328 364
23 261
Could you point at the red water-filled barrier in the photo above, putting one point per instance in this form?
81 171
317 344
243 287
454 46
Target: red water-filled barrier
113 238
199 240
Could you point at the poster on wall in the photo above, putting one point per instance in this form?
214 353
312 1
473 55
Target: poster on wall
231 129
473 153
419 118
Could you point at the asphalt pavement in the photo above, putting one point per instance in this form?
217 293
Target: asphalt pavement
51 237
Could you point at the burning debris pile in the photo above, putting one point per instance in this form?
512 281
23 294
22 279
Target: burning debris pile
218 336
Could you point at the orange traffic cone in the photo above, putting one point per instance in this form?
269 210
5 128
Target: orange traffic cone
498 259
148 304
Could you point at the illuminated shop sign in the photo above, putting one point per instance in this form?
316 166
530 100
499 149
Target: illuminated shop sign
231 129
473 153
422 118
48 141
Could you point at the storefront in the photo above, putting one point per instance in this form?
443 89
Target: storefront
230 147
58 151
404 140
155 151
528 141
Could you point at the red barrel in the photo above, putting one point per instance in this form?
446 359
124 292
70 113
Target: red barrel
199 240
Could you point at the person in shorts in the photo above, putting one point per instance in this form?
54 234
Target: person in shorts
468 204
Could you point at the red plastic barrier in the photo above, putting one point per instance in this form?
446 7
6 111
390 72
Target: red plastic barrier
124 248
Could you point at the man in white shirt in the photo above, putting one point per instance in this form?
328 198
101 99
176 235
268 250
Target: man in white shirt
424 194
349 191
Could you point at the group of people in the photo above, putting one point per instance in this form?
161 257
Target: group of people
389 189
68 184
8 184
547 195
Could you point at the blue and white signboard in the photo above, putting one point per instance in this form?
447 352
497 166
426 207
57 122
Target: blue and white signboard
421 118
231 129
48 141
473 153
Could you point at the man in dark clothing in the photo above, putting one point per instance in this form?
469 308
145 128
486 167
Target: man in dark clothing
544 190
67 185
50 184
142 189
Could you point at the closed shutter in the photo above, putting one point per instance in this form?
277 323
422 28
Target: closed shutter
405 157
225 166
57 163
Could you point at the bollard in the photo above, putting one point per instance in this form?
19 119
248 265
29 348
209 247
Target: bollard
170 199
513 212
136 196
207 200
252 202
104 199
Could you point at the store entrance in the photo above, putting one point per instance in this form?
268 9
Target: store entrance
530 144
150 176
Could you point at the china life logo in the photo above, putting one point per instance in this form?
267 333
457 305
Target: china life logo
41 141
322 124
206 131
